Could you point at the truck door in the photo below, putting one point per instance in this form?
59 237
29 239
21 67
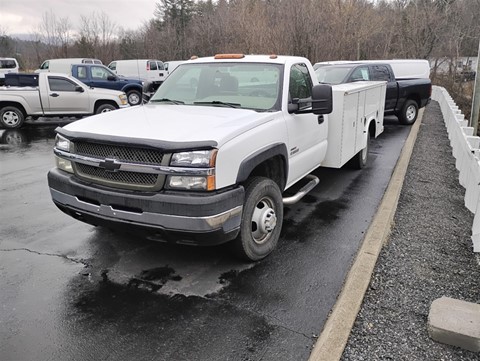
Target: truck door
382 73
62 97
307 133
102 78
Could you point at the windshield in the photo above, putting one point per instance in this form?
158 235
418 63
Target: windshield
240 85
332 75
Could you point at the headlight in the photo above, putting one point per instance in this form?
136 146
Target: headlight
196 159
123 99
193 159
64 164
62 143
187 182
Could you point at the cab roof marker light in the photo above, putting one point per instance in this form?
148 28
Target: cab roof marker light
229 56
273 56
193 57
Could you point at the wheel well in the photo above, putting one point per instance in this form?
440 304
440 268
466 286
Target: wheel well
101 102
414 97
13 104
132 87
372 128
273 168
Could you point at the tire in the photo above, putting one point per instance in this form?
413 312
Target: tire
261 220
11 117
134 97
409 112
14 138
360 160
106 107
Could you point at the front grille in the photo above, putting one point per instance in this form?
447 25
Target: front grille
128 178
119 179
125 154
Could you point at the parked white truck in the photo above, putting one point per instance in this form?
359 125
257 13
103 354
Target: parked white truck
207 159
50 94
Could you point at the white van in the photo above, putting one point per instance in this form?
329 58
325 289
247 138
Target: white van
150 70
64 65
171 65
7 65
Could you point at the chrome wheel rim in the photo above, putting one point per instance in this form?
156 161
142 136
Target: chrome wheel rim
10 118
411 112
264 220
134 99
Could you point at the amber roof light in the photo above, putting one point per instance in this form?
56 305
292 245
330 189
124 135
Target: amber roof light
229 56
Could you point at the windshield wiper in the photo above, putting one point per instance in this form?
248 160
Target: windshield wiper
166 100
218 102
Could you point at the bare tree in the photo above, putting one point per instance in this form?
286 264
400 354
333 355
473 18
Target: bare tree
56 33
98 36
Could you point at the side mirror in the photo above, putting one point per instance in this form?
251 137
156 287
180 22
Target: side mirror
293 106
322 99
79 89
111 77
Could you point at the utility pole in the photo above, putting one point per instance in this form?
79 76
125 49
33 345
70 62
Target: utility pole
476 97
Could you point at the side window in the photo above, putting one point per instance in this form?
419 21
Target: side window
61 84
300 86
44 65
160 65
380 72
82 72
153 65
99 73
360 74
7 64
113 66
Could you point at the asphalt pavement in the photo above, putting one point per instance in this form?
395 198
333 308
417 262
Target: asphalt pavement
427 255
73 292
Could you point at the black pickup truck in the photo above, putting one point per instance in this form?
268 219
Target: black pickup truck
404 96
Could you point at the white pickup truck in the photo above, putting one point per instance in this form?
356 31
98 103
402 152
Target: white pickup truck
50 94
207 159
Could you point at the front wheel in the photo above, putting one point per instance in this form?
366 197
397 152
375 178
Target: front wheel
409 112
261 219
103 108
134 97
11 117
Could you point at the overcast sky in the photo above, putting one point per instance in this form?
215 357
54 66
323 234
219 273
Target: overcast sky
24 16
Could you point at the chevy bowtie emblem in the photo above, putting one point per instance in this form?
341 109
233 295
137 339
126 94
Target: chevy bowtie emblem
110 165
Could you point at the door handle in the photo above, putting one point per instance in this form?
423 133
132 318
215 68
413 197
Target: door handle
54 95
320 119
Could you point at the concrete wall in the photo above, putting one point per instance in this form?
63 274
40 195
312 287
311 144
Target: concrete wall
466 150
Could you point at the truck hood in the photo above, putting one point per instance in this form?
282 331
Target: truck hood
170 123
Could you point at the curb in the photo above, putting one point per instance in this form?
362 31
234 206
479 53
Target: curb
455 322
334 337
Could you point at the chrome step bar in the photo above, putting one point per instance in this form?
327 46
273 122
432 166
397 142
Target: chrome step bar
304 190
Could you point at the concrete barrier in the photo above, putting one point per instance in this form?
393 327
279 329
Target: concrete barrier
466 150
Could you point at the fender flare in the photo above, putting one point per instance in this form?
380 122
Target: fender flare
129 87
260 156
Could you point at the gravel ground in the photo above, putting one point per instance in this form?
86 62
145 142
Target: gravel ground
429 255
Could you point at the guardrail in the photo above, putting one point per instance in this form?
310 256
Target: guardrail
466 150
